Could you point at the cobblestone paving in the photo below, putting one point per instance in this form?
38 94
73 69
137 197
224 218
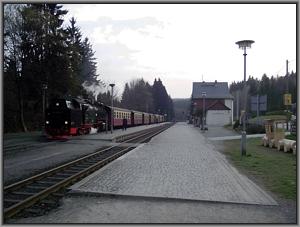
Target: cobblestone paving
178 163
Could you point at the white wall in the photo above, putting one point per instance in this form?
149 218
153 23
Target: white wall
219 117
229 104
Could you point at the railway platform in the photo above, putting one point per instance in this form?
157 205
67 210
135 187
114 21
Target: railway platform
180 164
14 142
26 153
177 177
117 133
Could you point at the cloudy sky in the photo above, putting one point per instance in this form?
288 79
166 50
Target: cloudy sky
183 43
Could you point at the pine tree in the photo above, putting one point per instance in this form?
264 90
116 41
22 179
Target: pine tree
89 65
75 49
13 80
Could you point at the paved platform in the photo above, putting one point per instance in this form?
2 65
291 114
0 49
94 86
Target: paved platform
179 163
14 142
116 133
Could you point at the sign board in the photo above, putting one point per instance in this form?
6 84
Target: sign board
262 100
287 99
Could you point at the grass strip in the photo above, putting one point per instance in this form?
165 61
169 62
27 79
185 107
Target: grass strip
275 169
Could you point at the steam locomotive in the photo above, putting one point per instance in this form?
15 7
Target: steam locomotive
70 117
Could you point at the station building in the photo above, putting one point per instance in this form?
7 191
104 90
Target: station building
218 103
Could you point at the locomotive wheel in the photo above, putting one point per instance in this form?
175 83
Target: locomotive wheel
79 132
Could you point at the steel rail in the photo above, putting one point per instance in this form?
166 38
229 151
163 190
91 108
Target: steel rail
21 183
30 201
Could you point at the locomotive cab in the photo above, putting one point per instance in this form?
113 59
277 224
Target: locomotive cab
62 117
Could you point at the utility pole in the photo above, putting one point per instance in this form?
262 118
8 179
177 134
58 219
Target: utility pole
287 91
257 107
203 110
237 105
244 44
44 88
112 109
287 68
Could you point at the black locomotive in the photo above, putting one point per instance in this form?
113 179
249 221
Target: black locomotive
74 116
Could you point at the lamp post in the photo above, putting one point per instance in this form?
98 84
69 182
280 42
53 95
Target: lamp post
203 109
44 88
112 108
244 44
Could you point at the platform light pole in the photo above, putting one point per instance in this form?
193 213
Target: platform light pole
44 88
244 44
112 109
203 109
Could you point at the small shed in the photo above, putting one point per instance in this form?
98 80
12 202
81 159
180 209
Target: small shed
274 132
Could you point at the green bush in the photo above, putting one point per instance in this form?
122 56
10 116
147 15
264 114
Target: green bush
291 137
255 129
236 124
276 112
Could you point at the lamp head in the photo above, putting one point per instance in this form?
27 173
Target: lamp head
243 44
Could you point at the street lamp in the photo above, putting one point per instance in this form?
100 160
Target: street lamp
112 108
203 109
44 88
244 44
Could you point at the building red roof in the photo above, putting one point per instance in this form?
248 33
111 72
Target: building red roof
217 105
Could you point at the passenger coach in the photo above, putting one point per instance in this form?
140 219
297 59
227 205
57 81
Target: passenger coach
75 116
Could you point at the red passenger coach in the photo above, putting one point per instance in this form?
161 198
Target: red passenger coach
76 116
119 115
146 118
137 118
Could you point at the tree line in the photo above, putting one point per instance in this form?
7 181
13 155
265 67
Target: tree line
140 95
45 59
274 88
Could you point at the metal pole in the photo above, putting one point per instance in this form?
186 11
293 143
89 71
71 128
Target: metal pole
44 118
204 117
257 107
287 91
243 148
106 123
112 110
203 113
44 87
237 105
287 72
243 44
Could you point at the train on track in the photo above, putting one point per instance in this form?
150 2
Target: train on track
74 116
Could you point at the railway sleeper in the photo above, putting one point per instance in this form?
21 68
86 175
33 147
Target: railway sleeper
57 178
49 201
66 174
32 210
36 187
45 182
57 194
13 196
91 162
23 193
83 166
76 169
11 201
70 172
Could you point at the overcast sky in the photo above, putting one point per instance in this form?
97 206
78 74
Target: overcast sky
183 43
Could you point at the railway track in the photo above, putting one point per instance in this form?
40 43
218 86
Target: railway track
40 193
